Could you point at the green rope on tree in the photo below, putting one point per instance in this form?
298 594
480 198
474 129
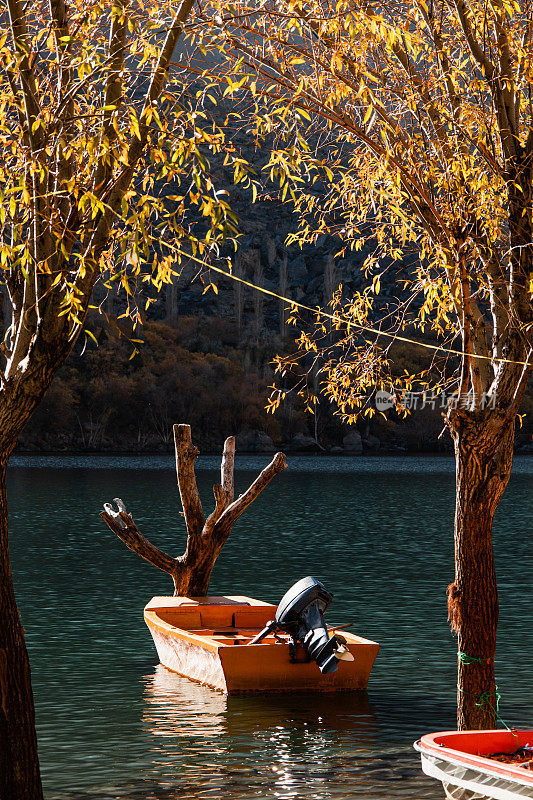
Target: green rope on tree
464 658
484 699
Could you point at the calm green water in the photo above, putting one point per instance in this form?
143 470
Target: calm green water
113 724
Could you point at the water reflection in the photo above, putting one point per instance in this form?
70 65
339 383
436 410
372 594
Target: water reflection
172 699
111 726
283 746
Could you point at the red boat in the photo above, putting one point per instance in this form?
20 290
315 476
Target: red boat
462 761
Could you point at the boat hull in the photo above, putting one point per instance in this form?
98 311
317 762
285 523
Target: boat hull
460 760
205 639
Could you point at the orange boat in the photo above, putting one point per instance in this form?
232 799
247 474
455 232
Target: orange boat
462 761
208 640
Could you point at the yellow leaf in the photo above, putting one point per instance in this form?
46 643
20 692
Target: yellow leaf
368 114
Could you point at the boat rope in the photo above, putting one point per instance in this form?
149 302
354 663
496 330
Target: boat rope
485 699
464 658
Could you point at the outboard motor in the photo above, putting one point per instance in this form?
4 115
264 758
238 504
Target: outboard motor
301 615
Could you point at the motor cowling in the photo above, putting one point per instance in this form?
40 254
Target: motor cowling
301 615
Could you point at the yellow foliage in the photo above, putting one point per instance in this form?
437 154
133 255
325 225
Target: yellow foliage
95 127
416 121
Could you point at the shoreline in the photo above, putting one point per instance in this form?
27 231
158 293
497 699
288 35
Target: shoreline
374 453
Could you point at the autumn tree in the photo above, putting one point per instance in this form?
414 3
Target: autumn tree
408 127
96 133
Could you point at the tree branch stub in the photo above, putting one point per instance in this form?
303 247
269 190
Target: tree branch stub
186 454
123 526
227 467
234 511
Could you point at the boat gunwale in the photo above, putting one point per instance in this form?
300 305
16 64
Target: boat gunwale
497 769
152 618
208 642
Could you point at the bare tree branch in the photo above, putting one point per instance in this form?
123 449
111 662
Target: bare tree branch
123 526
186 454
226 468
221 503
191 571
234 511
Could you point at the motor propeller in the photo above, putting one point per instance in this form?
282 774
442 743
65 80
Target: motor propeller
343 654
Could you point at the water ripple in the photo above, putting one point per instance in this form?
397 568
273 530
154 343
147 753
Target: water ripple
378 531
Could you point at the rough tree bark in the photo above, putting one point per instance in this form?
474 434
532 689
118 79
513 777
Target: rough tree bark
191 572
484 456
19 764
21 392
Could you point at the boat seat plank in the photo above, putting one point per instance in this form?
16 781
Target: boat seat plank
159 603
254 617
186 620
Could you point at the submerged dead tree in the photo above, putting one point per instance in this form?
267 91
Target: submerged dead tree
206 537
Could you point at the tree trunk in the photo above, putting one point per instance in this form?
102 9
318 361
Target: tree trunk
238 295
194 578
283 290
19 763
484 455
21 393
171 301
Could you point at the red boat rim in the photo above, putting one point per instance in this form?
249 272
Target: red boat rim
474 748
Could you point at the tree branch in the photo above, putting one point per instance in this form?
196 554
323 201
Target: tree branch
191 571
154 90
499 303
443 59
22 42
475 48
63 170
221 503
521 384
186 453
234 511
505 115
423 93
113 90
507 85
226 468
58 12
112 195
419 199
123 526
469 323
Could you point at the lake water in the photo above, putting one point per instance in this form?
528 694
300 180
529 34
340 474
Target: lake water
377 531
